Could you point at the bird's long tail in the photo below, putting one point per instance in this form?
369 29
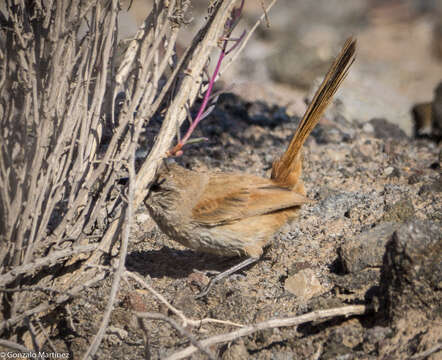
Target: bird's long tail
287 169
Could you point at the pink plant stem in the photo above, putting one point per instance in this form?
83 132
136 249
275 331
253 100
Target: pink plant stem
206 98
176 150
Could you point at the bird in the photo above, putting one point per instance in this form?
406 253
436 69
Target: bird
238 214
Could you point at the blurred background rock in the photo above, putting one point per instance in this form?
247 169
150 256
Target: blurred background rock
399 61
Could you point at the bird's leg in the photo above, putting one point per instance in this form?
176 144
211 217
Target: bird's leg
206 272
225 274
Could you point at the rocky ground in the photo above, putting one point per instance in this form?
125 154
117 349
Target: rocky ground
372 235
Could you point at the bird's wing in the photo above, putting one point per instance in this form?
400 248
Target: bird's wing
230 197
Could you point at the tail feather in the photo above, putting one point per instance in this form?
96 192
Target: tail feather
287 170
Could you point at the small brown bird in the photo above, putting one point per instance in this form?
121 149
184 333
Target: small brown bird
234 214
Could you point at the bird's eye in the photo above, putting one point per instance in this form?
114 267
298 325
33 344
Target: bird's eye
157 185
155 188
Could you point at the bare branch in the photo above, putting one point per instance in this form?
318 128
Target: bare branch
424 354
275 323
53 258
185 320
128 215
14 346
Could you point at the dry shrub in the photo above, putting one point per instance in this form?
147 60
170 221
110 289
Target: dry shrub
71 115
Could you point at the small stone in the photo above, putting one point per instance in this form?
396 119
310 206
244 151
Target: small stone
395 173
388 171
304 285
135 301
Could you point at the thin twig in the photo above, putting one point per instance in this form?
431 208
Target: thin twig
275 323
46 290
52 258
426 353
118 274
185 321
14 346
45 334
33 335
70 317
229 26
145 329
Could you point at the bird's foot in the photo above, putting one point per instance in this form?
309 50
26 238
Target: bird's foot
225 274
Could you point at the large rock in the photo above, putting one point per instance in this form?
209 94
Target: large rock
412 271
